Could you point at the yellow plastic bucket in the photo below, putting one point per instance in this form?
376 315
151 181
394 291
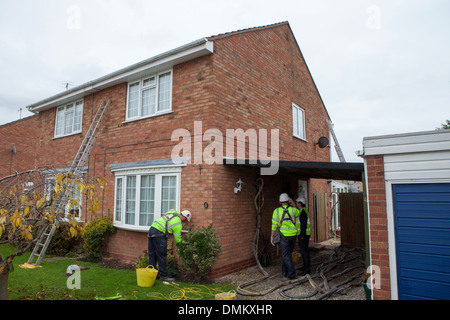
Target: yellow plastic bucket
231 295
146 276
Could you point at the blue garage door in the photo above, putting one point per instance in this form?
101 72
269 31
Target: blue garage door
422 233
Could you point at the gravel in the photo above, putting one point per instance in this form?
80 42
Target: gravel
354 291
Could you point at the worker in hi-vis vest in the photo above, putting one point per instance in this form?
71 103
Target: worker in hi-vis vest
304 233
169 223
285 217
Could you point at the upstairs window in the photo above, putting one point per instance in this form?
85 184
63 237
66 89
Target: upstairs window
150 96
69 119
298 116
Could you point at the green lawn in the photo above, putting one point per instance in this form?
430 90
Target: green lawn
50 283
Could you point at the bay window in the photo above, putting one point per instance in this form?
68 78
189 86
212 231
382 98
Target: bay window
142 196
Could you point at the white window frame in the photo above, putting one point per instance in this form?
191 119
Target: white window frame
143 87
62 110
159 173
299 128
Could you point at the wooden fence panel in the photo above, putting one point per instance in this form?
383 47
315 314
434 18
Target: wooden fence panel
351 210
320 215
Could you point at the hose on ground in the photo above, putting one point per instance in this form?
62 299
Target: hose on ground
326 291
335 260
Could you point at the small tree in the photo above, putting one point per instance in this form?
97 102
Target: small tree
198 251
29 203
446 125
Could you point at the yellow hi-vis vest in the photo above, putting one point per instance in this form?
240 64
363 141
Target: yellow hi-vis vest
170 223
286 218
308 223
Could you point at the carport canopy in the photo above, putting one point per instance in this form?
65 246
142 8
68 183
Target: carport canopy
352 171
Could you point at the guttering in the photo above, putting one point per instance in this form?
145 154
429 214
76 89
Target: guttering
190 51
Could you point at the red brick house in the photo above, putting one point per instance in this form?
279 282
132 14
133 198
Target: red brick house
253 79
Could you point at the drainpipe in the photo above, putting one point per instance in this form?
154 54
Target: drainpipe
360 153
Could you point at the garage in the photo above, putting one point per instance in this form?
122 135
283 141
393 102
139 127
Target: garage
408 202
422 232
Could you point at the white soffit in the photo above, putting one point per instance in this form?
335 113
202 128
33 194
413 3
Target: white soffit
426 141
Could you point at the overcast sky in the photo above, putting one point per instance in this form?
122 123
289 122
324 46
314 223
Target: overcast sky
381 67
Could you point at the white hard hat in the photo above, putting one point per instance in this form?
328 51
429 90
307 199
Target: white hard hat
187 214
301 199
284 197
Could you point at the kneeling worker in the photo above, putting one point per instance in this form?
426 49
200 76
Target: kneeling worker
285 218
169 223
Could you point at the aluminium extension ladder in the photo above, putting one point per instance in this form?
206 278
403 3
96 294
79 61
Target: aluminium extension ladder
76 168
339 153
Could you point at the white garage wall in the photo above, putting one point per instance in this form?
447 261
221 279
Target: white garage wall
414 166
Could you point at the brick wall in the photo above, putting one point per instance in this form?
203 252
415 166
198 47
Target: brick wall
379 250
234 215
20 135
259 75
150 139
255 89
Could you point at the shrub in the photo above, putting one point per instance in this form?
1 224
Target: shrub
171 266
198 251
142 261
94 235
63 241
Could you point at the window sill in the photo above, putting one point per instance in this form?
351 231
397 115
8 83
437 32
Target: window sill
137 229
78 220
66 135
130 227
297 137
148 117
